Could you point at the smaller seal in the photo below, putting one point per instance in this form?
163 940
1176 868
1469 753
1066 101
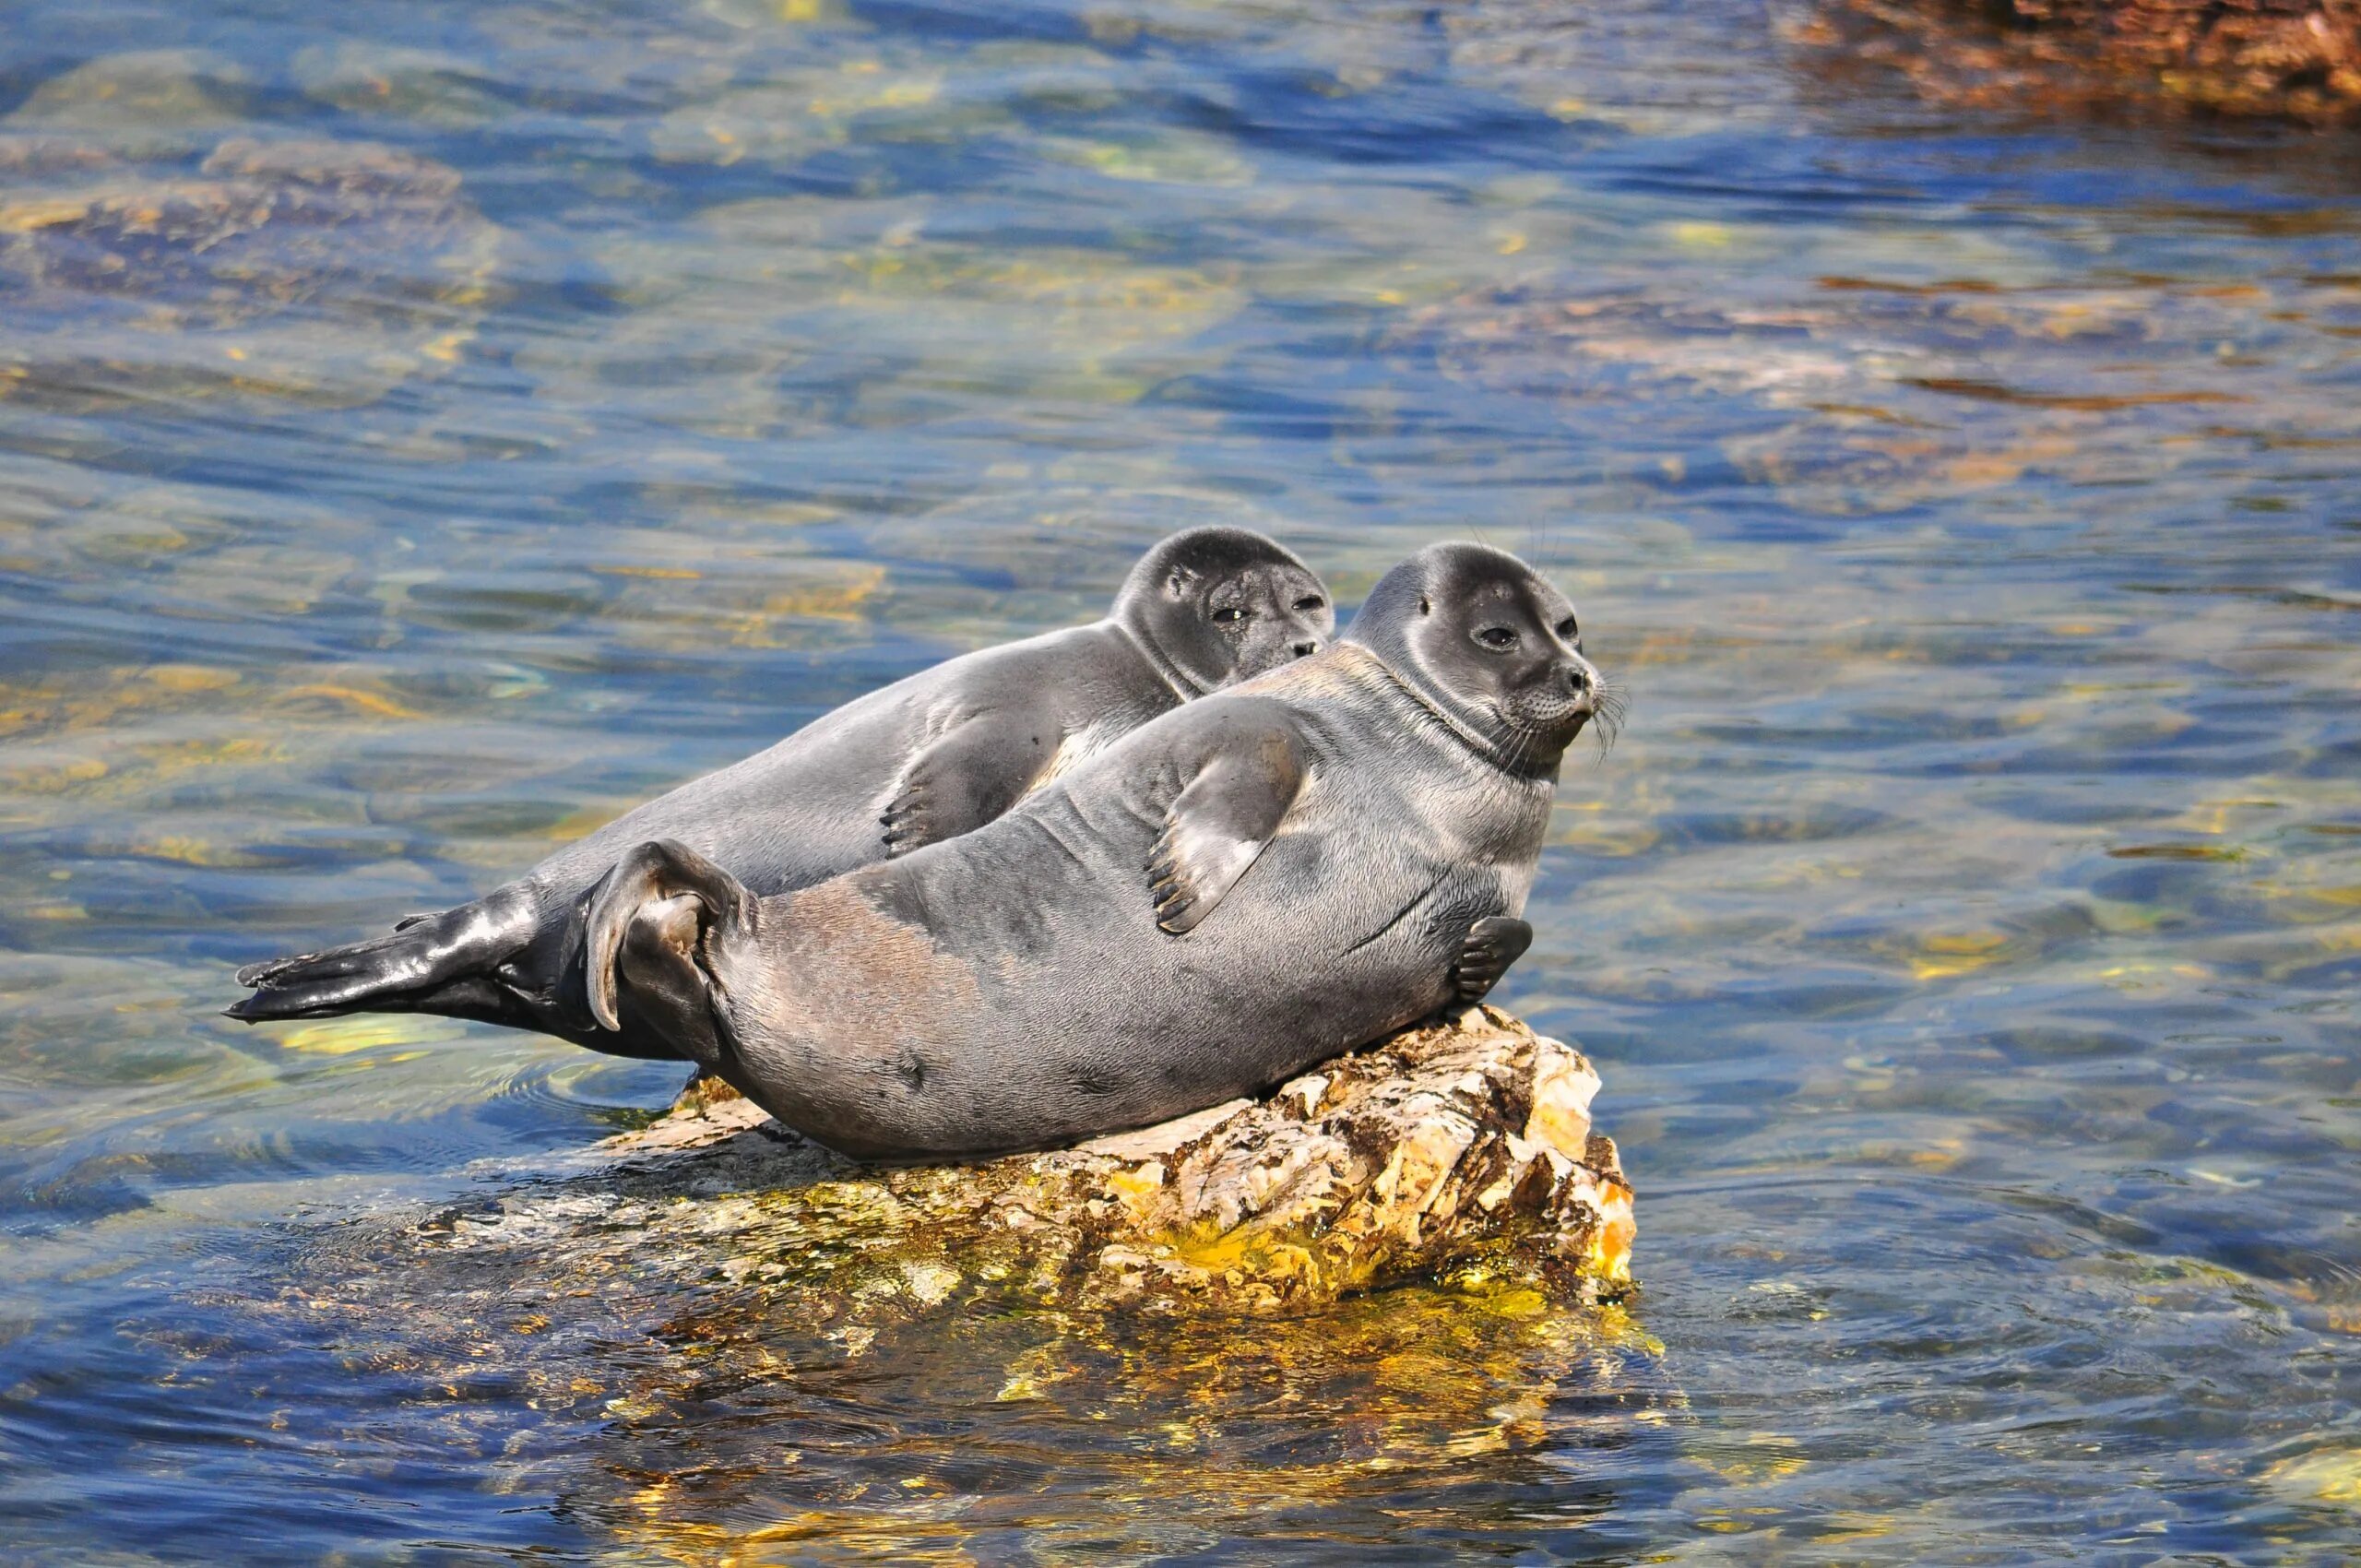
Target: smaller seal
915 763
1255 882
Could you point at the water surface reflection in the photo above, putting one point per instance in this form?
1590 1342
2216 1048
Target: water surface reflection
426 433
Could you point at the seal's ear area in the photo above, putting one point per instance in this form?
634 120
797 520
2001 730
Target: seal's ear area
1180 583
1247 773
678 894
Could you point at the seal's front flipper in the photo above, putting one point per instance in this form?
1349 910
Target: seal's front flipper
1248 769
1493 944
653 922
970 774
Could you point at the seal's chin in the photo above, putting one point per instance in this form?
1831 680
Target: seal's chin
1263 664
1557 724
1538 740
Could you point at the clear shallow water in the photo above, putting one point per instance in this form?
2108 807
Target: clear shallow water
426 432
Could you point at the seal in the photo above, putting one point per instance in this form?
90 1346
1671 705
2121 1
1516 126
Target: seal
1255 882
912 764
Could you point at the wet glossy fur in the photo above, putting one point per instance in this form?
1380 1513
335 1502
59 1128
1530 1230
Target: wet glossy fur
1243 887
919 762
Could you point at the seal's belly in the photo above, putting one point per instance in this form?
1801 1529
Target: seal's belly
1018 991
1117 1021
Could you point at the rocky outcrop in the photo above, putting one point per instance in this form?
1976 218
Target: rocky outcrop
2286 59
1457 1149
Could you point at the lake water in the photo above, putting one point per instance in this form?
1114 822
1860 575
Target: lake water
426 430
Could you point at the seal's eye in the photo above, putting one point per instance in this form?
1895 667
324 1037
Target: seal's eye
1568 630
1229 613
1310 602
1499 640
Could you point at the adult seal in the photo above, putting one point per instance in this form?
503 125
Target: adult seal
1245 886
919 762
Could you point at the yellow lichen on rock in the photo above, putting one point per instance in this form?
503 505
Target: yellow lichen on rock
1457 1143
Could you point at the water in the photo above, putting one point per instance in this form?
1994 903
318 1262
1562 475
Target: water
425 431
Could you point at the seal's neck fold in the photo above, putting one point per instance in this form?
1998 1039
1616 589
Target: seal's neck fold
1184 685
1502 750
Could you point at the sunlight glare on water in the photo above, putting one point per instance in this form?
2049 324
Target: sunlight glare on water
426 431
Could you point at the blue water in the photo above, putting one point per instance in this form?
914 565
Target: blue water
426 431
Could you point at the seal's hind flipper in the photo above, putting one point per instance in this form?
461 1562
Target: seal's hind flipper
651 919
421 956
1243 772
1493 944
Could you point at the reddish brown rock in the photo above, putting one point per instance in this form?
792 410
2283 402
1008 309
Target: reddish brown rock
2285 59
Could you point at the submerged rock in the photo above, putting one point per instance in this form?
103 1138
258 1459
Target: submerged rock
143 103
1461 1149
429 87
275 267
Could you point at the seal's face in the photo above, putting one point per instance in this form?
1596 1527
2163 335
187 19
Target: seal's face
1486 639
1261 617
1223 605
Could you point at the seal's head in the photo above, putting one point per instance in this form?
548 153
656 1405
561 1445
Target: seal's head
1489 645
1210 606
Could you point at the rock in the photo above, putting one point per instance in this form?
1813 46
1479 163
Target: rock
146 103
282 267
2283 59
1460 1148
424 86
710 1326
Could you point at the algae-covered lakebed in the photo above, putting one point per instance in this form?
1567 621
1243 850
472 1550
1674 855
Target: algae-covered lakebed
427 430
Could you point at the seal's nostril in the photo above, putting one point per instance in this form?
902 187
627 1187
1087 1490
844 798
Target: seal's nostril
1579 681
1305 650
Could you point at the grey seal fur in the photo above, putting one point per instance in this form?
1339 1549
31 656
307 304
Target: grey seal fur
1245 886
918 762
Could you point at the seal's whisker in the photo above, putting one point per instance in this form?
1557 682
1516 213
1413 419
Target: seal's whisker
1610 700
1523 752
1537 542
1542 542
1605 731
